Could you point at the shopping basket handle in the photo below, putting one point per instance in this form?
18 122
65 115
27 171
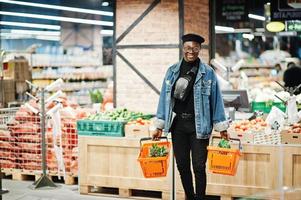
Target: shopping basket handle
150 138
236 139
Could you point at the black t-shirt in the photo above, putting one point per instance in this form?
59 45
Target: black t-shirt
186 106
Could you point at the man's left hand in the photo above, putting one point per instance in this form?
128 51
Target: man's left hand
225 135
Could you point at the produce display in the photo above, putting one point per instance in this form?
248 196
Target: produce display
118 115
139 121
257 124
20 144
295 128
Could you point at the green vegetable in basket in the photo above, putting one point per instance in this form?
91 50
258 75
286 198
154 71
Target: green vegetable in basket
224 144
156 151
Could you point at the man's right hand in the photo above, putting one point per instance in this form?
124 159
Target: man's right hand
157 134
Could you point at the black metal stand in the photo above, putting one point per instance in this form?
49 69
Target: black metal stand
1 190
44 180
173 178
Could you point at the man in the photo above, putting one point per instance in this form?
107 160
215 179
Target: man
190 105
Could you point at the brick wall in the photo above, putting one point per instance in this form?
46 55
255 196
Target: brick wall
160 26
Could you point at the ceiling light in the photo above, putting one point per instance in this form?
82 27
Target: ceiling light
106 32
242 30
258 17
260 30
57 18
105 3
32 32
290 33
275 26
65 8
224 29
52 38
248 36
258 33
30 25
24 36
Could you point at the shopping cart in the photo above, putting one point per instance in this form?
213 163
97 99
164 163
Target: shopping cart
6 115
153 166
222 160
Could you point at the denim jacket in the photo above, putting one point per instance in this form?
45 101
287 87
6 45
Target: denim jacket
208 102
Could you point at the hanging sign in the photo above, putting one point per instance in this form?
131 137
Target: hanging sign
282 10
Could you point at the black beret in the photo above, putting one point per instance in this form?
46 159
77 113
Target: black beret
193 37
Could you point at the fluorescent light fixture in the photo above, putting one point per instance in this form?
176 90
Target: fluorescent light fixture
22 36
32 32
57 18
258 33
248 36
242 30
106 32
52 38
105 3
224 29
30 25
291 33
258 17
65 8
260 30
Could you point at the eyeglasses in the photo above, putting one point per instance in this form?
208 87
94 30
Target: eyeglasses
191 49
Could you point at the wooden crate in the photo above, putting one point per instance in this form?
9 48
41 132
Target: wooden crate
112 162
23 175
136 131
292 167
254 174
290 138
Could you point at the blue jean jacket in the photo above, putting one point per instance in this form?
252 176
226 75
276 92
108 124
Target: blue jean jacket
208 102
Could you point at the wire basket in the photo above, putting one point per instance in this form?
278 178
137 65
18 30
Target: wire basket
153 166
222 160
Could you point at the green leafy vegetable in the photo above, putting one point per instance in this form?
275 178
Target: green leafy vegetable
156 151
224 144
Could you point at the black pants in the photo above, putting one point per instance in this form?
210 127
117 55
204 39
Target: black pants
184 141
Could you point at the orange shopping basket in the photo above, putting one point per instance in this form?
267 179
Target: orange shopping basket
153 166
223 160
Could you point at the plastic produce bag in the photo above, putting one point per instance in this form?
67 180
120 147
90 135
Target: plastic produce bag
275 119
292 110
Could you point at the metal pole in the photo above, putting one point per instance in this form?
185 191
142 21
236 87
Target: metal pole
212 16
44 165
43 181
173 178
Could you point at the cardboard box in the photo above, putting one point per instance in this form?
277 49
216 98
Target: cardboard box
7 91
246 137
290 138
18 70
136 131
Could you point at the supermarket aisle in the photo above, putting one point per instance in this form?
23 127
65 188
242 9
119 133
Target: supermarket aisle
19 190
